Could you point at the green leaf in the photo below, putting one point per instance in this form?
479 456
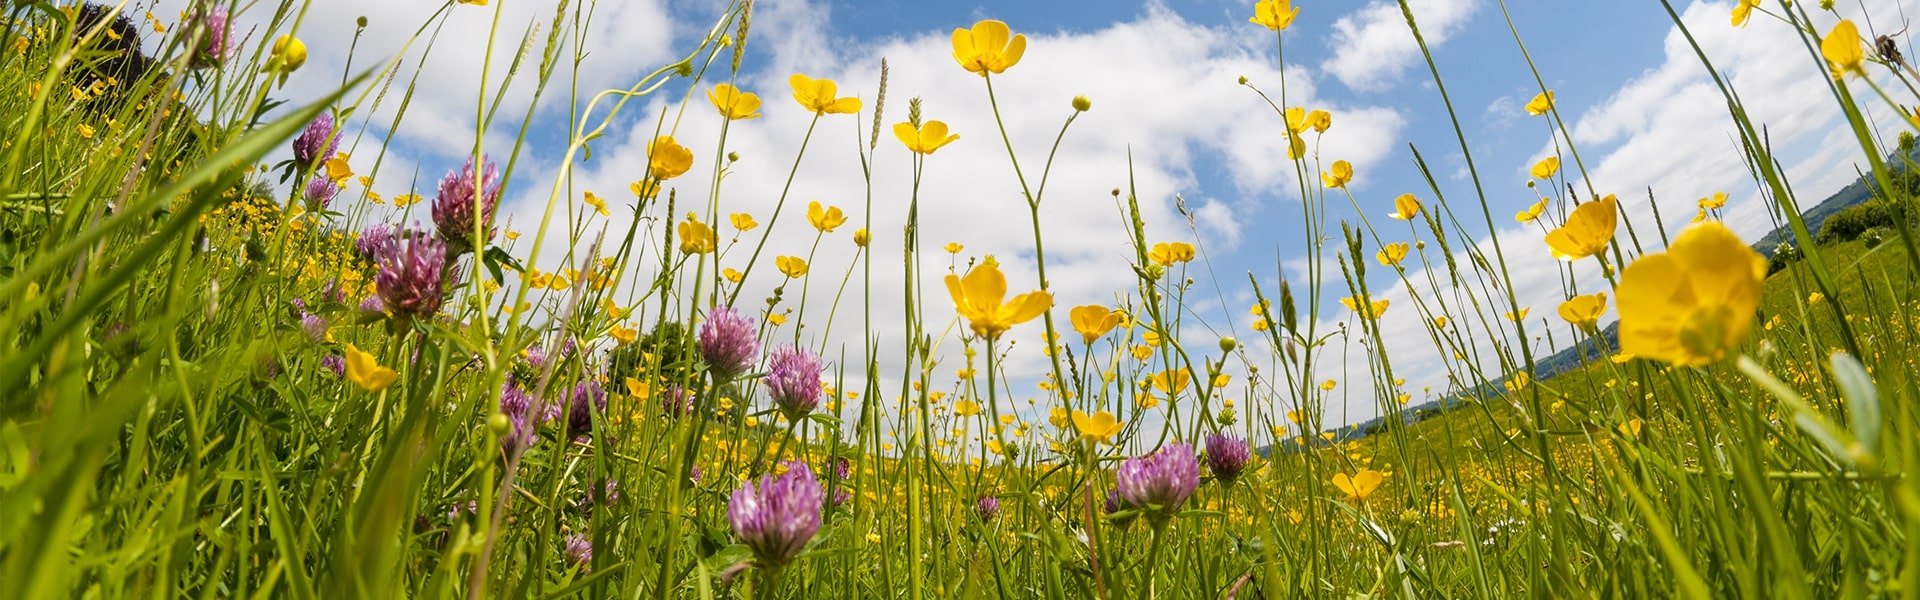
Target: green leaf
1863 400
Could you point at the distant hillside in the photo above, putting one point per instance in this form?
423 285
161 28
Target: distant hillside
1858 191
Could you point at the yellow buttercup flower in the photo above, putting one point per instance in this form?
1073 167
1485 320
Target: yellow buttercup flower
1405 207
1338 175
365 372
1099 427
743 221
1391 254
980 298
1359 485
953 247
1172 381
339 170
1296 119
1518 381
1546 168
1742 9
289 53
1717 200
1540 104
1694 303
1296 146
1587 231
1440 322
1093 321
696 237
667 159
623 335
1584 311
989 47
1842 49
734 103
1532 212
929 137
861 237
825 219
818 96
793 266
1276 15
1167 253
966 408
1374 309
595 202
1518 315
1320 120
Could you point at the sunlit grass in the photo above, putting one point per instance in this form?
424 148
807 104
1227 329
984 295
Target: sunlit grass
230 376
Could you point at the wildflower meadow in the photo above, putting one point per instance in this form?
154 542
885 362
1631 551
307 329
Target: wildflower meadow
251 347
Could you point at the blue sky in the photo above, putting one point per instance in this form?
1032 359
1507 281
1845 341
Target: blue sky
1161 75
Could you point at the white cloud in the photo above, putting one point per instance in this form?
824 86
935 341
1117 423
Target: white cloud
450 53
1163 89
1372 46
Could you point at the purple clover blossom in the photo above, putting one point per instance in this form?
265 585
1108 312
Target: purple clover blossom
315 326
517 405
453 209
213 48
333 292
841 497
676 402
793 380
842 468
1159 482
777 516
987 507
375 242
373 304
459 510
319 193
579 551
587 397
412 277
727 342
1227 457
334 364
317 143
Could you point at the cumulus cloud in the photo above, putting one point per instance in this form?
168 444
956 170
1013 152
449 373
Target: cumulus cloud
1372 47
1166 106
446 55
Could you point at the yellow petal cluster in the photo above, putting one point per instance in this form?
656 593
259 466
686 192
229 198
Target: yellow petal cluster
1587 231
981 299
818 96
1693 304
926 138
989 47
734 103
1276 15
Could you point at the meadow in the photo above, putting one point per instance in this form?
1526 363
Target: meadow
226 373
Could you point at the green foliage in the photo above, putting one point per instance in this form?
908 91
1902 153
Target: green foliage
1852 221
204 395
